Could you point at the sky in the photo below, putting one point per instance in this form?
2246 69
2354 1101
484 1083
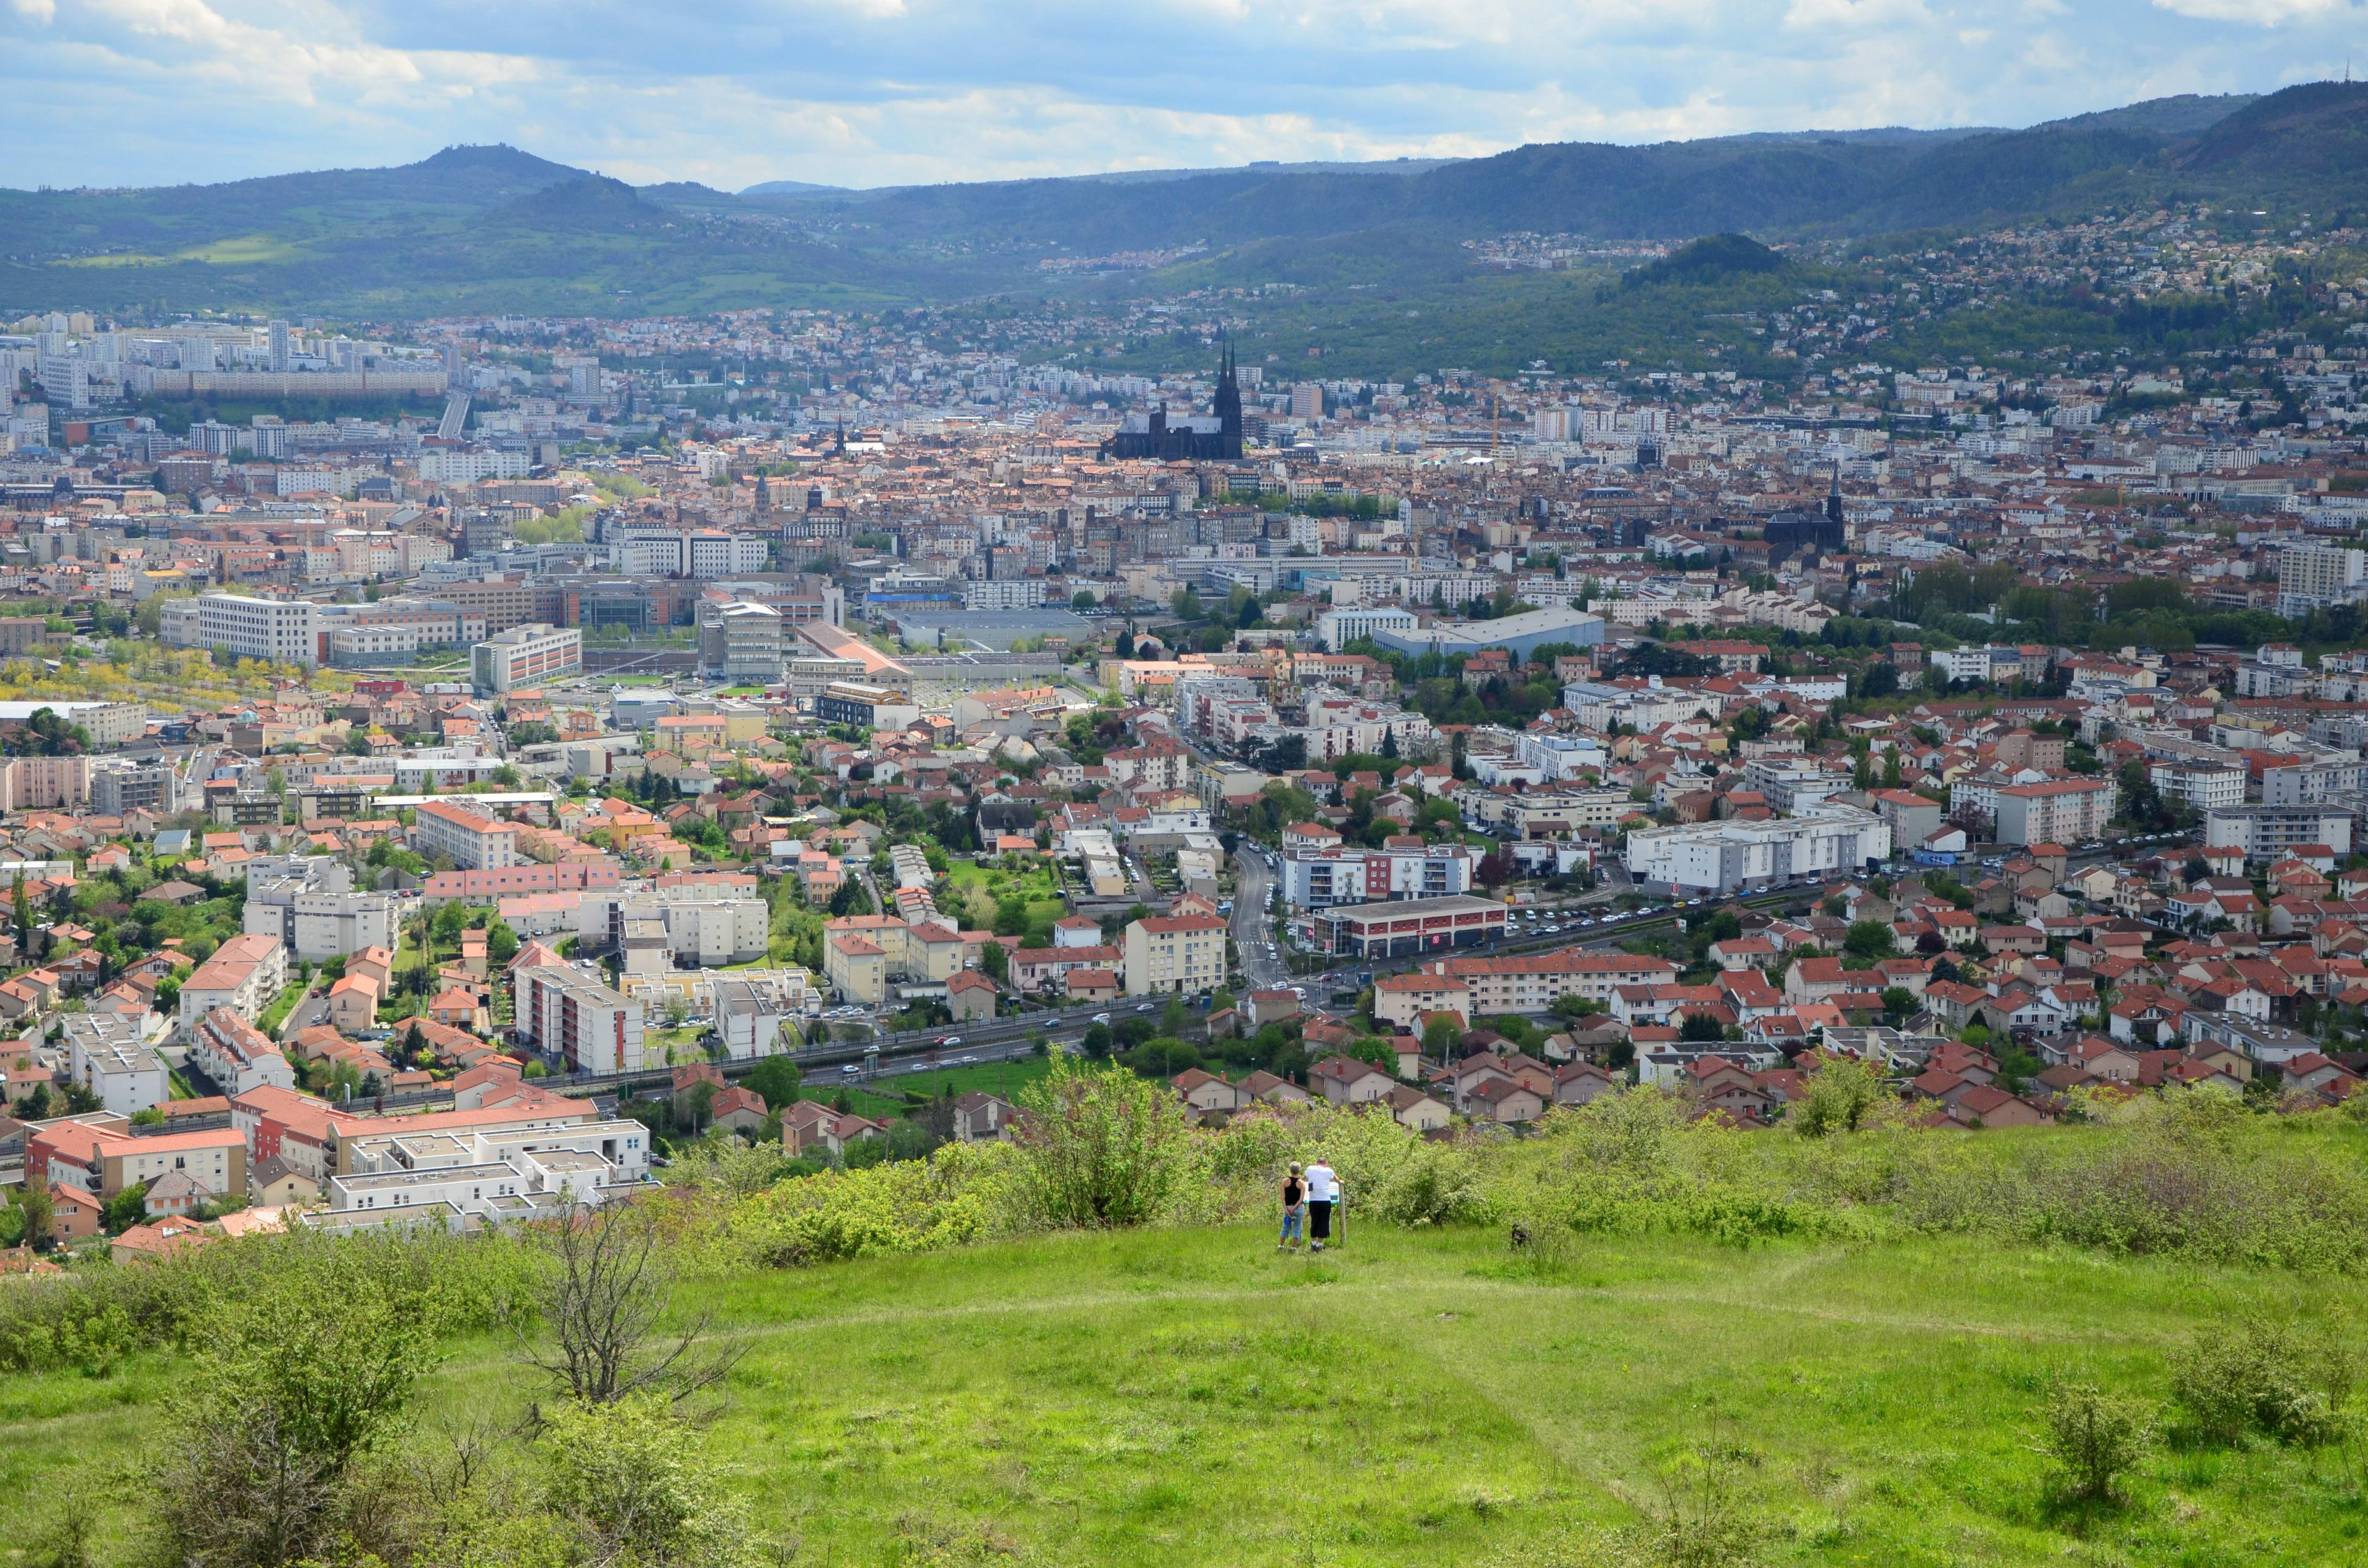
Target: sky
897 92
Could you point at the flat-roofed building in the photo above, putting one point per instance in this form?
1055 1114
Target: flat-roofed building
471 842
565 1012
526 656
1412 925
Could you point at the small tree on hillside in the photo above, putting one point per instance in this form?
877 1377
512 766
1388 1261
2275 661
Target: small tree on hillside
1104 1147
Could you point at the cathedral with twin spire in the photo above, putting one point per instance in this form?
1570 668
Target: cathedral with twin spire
1214 436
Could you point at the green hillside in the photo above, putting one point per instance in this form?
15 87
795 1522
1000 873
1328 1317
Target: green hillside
477 228
1625 1340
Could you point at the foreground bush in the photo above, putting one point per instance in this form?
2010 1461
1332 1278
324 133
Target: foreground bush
2242 1379
2094 1438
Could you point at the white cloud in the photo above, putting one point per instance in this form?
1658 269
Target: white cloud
2261 13
896 91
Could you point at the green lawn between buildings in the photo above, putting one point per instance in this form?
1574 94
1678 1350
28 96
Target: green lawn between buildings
1189 1397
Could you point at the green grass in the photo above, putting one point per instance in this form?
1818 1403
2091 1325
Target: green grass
1002 1078
1186 1397
282 1006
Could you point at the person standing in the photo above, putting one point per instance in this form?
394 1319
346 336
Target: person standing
1294 1209
1323 1186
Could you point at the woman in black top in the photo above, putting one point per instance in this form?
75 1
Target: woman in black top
1294 1209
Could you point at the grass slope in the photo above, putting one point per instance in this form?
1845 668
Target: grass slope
1189 1397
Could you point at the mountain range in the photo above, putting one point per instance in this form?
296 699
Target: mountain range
490 228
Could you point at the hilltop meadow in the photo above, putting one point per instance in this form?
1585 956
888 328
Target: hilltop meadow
1627 1339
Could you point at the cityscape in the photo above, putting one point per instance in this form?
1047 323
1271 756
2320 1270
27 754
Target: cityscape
824 865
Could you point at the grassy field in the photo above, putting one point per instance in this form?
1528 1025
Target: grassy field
990 1077
1190 1397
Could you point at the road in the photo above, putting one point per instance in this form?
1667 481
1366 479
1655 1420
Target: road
1262 967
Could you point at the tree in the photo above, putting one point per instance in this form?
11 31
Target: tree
39 1205
777 1080
1870 939
126 1209
1838 1098
296 1385
608 1281
994 960
501 943
1082 600
1440 1035
1104 1147
1097 1041
1898 1002
1701 1026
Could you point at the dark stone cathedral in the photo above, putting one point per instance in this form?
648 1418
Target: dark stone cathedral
1191 439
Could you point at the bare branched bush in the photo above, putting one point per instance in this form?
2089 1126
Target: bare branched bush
610 1286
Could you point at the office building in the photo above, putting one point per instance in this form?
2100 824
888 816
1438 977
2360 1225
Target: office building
285 632
739 641
526 656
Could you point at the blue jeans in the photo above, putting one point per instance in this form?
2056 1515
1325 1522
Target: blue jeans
1291 1219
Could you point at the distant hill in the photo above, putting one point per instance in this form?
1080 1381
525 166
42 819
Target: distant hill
443 231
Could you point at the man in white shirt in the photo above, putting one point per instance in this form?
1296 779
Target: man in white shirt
1323 1190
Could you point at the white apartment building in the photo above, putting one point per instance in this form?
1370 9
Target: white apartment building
526 656
665 929
286 631
471 842
446 465
104 1054
1004 592
1556 757
702 553
2311 577
1824 839
1175 953
2269 833
565 1012
1318 879
2202 785
493 1174
1793 783
243 975
2313 783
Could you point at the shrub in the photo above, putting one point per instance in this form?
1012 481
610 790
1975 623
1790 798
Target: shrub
1434 1185
2094 1438
960 1193
638 1488
2242 1379
1101 1147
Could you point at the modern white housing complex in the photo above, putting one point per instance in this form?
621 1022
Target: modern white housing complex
1828 838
